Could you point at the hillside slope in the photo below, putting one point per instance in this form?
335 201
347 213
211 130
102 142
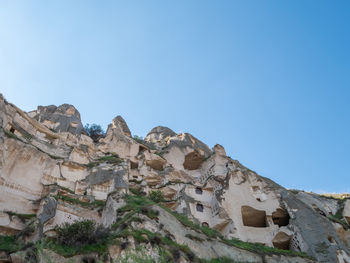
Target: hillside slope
65 197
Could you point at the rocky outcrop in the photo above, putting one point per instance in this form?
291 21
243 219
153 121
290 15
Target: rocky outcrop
47 209
120 123
64 118
159 134
346 211
314 230
52 173
118 140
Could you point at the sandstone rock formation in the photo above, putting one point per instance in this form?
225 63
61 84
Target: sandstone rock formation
51 172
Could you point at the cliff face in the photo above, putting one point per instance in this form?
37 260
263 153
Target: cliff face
205 205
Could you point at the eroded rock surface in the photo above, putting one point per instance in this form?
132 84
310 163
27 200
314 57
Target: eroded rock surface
51 173
64 118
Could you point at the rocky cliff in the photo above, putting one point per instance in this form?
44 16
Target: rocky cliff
167 198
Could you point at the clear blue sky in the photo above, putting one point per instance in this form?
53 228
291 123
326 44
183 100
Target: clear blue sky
269 80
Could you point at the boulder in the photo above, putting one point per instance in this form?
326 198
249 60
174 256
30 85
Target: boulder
178 176
114 251
169 193
109 213
219 150
154 161
158 134
153 179
47 209
79 156
64 118
18 257
104 181
118 140
73 172
119 123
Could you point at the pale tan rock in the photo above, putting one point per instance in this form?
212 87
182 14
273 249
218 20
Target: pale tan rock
51 175
342 256
116 141
219 150
159 134
73 172
154 161
343 234
120 123
66 212
182 145
63 182
81 187
238 177
48 256
4 219
79 156
205 184
179 176
169 193
86 140
114 251
18 257
36 126
153 179
346 211
21 176
10 224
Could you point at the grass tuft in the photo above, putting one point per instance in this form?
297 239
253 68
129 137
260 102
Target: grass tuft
112 159
94 204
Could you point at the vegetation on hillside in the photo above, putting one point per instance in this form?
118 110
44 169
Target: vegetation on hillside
109 158
83 237
95 131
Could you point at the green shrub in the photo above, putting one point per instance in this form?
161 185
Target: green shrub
113 159
139 255
219 260
262 249
69 251
156 196
80 233
97 203
22 217
10 134
10 244
95 131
